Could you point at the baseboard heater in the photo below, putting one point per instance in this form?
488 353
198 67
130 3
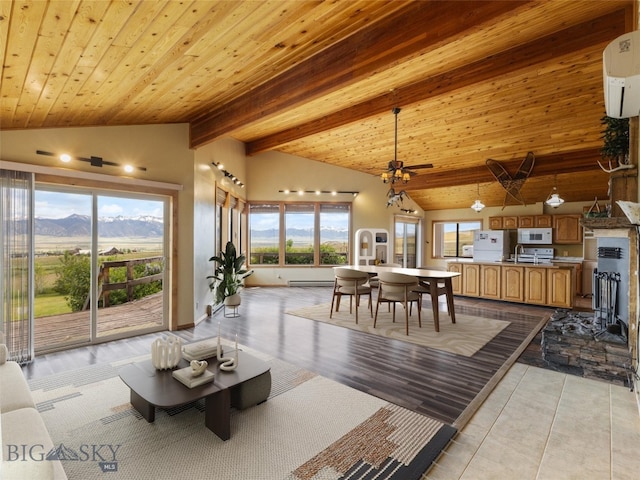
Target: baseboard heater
310 283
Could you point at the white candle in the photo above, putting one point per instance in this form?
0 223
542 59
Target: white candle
236 349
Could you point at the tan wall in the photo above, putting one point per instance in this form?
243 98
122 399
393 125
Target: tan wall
269 172
162 149
464 214
230 153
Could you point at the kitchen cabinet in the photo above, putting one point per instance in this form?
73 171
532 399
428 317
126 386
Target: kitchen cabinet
535 285
559 289
471 280
588 266
512 284
456 282
509 223
521 283
543 221
495 223
526 221
490 281
575 269
567 229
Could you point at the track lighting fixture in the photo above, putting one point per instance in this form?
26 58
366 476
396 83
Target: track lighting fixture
227 174
94 161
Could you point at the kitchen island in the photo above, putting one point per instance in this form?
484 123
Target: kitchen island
548 284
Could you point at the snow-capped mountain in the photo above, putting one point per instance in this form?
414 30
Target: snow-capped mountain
120 226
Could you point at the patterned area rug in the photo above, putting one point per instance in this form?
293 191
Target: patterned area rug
465 337
309 428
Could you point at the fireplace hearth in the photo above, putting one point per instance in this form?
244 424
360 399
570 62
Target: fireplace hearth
576 343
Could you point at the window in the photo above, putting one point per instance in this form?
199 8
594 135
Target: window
334 234
264 233
299 234
454 239
299 222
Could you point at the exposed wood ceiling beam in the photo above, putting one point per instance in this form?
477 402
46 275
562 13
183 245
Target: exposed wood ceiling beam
556 164
402 34
575 38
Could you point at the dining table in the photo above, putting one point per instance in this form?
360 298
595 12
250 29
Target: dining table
427 277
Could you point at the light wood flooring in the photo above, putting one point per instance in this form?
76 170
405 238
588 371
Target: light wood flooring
435 383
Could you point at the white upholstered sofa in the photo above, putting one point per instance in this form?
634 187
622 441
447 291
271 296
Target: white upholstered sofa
25 439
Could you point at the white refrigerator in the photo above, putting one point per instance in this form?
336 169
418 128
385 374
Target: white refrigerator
490 245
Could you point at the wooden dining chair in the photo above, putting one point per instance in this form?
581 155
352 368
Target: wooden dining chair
352 283
398 288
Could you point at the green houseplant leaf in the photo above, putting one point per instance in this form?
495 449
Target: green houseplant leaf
615 139
229 274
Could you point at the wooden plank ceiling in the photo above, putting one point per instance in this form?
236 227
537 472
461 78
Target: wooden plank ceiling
474 80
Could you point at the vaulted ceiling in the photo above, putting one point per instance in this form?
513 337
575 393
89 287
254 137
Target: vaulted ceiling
474 80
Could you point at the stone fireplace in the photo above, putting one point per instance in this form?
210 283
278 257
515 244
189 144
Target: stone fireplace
576 343
602 343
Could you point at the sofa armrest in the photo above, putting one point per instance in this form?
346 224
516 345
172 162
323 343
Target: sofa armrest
4 354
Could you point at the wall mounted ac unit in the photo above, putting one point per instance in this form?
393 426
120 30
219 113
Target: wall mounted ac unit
621 74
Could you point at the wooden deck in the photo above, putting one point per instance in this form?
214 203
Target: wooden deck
73 328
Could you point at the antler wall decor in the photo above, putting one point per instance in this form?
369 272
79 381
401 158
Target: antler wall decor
512 185
394 198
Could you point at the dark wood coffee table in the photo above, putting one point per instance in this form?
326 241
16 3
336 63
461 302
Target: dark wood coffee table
151 388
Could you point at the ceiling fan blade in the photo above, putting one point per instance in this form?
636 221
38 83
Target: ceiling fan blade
422 165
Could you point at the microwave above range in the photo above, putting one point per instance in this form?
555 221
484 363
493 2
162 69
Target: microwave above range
535 236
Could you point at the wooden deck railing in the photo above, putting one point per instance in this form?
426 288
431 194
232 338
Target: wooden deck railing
106 286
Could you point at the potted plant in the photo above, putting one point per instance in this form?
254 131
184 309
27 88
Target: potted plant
228 277
615 140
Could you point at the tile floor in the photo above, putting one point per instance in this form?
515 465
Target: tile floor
544 425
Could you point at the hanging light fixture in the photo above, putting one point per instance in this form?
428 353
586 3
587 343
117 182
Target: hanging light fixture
554 200
396 172
478 205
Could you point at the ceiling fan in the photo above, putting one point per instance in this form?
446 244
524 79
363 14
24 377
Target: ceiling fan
396 171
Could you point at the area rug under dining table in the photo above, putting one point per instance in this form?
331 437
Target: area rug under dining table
465 337
310 427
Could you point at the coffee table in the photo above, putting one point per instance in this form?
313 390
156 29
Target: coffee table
151 388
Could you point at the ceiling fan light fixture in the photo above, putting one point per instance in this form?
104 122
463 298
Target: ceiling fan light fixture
396 171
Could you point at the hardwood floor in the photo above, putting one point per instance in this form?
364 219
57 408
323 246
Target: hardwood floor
432 382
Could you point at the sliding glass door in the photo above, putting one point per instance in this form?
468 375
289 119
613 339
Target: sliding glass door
99 266
62 269
130 265
406 241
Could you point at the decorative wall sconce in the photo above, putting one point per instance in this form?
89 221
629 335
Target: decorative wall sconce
227 174
318 192
94 161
